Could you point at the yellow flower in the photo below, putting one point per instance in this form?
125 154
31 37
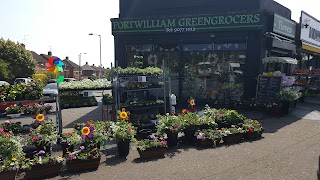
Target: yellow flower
40 117
14 159
192 103
94 149
123 114
85 131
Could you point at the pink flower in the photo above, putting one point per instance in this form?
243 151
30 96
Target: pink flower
33 139
1 130
129 130
164 142
152 136
41 152
176 126
82 147
201 136
222 115
69 134
39 135
70 157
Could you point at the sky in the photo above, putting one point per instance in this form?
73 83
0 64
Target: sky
62 26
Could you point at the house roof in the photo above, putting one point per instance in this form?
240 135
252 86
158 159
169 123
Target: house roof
95 68
38 58
86 67
71 63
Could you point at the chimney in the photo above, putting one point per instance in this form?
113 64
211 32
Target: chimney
93 65
50 53
23 45
86 63
67 58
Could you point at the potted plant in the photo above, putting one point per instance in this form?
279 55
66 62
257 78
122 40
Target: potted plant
15 128
122 132
191 124
13 111
288 99
11 155
253 129
86 140
208 137
232 135
44 134
170 125
153 147
42 166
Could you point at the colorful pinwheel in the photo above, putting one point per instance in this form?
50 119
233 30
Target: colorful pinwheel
55 65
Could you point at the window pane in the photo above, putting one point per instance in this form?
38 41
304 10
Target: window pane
197 47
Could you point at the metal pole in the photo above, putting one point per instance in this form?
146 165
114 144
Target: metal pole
79 66
100 58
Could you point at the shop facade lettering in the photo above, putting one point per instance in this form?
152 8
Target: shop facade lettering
187 24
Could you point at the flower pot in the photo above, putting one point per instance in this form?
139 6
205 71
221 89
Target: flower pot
42 171
30 151
253 135
66 147
189 134
143 134
233 138
83 165
152 152
172 139
223 124
8 175
123 148
45 147
14 115
205 142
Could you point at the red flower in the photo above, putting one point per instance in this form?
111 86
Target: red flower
251 129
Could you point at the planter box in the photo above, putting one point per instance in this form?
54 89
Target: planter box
42 171
253 135
152 152
8 175
83 165
233 138
14 115
208 142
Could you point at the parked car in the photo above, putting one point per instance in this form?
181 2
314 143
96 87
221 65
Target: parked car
50 90
69 79
2 83
22 81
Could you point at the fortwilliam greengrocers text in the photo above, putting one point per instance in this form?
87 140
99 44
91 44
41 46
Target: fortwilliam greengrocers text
187 22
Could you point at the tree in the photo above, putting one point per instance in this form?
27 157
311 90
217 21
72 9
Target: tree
20 61
4 71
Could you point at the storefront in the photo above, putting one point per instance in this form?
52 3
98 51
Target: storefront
309 53
211 57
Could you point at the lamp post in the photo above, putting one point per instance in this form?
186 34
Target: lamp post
100 51
80 73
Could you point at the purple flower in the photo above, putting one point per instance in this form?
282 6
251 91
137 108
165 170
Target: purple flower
164 142
152 136
41 152
91 129
200 136
82 147
90 135
83 137
1 130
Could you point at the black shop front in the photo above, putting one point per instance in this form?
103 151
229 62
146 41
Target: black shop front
212 54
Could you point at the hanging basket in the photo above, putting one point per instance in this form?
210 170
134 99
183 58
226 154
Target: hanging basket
42 171
152 152
83 165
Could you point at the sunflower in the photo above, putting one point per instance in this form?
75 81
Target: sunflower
192 103
85 131
123 114
40 117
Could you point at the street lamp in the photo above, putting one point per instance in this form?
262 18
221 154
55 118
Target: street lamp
100 51
80 73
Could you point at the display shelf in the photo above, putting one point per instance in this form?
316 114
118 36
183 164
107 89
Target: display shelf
143 89
140 108
77 90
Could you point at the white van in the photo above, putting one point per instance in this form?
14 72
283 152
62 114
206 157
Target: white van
23 81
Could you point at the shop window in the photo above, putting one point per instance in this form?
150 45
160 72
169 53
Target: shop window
166 47
216 75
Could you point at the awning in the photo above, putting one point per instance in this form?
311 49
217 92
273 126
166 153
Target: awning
283 60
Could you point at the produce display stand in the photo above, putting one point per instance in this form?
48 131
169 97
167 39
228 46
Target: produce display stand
130 97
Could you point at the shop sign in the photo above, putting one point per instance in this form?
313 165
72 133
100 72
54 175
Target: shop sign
284 26
187 24
310 32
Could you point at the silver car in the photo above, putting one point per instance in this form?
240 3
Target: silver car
50 90
2 83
